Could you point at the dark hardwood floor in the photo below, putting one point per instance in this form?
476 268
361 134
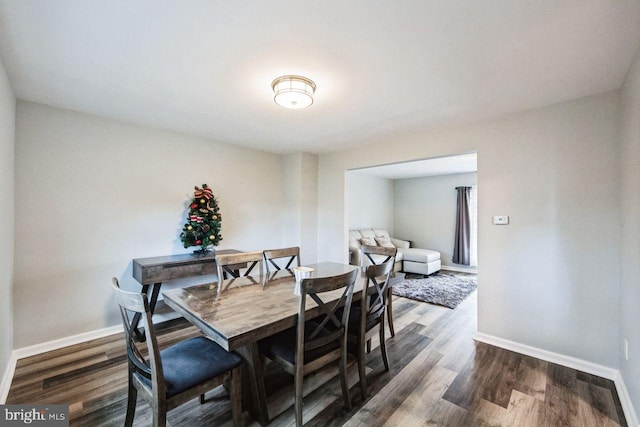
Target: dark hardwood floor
439 377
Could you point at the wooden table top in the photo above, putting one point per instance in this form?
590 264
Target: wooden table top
182 258
162 268
250 309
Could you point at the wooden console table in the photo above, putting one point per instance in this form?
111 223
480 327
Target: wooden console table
151 272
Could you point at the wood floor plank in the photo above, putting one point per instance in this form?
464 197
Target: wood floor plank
83 371
486 414
561 407
477 379
417 409
561 376
390 399
531 378
524 410
504 377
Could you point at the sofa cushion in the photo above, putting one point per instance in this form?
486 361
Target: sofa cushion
368 241
384 242
420 255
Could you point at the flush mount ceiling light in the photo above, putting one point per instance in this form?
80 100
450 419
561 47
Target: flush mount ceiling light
293 91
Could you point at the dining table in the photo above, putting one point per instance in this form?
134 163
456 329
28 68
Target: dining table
250 309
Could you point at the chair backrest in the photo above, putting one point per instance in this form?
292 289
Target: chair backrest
288 254
375 292
132 303
314 288
241 260
383 253
225 263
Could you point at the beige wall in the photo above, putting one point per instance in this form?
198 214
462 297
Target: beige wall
370 201
550 278
309 208
93 193
630 232
7 138
301 204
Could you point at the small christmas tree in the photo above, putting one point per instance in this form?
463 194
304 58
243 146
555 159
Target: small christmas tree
203 221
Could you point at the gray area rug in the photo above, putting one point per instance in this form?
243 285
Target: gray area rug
444 289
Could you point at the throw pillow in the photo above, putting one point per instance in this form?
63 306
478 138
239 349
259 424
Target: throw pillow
384 242
368 241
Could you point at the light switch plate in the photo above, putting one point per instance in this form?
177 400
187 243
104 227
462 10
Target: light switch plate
501 219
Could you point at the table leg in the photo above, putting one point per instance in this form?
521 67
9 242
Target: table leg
155 291
137 316
257 405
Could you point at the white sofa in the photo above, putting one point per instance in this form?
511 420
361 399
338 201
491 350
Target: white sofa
408 259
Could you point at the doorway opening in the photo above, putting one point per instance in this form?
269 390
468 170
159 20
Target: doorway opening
416 201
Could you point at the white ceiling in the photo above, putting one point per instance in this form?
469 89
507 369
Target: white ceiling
382 68
464 163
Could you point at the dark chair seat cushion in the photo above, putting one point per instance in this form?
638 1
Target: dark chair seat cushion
193 362
283 344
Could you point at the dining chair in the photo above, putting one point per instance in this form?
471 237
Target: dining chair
170 377
372 255
319 337
367 316
288 255
229 266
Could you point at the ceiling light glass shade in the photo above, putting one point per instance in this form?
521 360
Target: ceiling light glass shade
293 91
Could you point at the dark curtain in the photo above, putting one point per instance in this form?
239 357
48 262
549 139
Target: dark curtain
462 246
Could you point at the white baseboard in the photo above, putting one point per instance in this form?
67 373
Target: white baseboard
570 362
459 269
625 401
5 385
